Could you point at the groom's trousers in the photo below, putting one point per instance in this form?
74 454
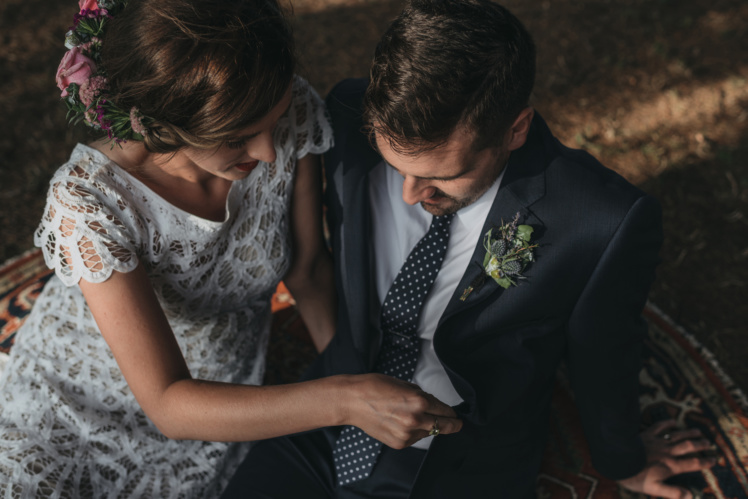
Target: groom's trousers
301 466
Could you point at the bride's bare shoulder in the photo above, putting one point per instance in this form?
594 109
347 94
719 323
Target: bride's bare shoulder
127 155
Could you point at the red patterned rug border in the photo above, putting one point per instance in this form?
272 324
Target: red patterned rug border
20 260
730 391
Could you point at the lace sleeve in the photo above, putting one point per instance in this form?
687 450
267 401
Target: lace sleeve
80 235
310 120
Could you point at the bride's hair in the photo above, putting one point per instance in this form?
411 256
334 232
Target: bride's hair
200 69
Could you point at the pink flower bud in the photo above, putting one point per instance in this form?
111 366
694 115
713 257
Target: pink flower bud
88 4
135 123
74 68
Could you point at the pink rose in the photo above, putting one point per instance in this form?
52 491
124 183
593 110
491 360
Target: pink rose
74 68
88 4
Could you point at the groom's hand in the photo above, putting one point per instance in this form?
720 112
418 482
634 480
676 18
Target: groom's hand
395 412
669 452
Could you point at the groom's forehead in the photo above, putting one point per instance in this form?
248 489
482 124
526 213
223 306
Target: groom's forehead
458 144
441 162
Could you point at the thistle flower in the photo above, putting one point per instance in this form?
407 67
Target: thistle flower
512 268
498 247
508 251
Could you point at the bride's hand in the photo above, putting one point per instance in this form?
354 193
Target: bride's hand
395 412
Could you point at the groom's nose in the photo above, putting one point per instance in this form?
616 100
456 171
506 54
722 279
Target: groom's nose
416 190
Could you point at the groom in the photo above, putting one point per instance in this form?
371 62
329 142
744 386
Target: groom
516 252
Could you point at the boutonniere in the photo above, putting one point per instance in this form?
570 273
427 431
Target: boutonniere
508 252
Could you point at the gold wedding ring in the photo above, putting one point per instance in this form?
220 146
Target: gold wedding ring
434 429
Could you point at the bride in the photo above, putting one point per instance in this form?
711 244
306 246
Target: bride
137 373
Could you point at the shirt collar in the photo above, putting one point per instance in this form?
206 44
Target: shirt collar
477 211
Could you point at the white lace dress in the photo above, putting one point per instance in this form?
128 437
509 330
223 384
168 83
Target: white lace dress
69 425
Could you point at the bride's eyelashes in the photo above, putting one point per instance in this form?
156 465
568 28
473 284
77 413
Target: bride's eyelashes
237 144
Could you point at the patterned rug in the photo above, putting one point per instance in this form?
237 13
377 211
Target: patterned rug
680 380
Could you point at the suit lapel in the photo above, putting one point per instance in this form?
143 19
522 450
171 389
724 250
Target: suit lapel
359 160
523 184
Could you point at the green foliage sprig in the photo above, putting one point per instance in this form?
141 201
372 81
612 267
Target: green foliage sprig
508 252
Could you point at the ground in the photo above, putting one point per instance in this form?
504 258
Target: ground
657 89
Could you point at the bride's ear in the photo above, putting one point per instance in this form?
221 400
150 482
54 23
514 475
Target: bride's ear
517 133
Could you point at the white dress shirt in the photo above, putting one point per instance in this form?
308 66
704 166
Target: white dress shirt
397 227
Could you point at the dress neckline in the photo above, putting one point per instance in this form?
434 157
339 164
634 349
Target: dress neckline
158 198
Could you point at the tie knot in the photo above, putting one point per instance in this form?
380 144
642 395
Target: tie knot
442 221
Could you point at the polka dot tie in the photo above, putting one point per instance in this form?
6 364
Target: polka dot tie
355 452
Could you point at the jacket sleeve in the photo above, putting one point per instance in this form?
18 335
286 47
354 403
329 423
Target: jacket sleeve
344 108
605 335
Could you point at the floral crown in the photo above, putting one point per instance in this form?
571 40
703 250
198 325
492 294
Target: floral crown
84 83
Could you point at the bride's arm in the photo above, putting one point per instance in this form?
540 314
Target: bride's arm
310 279
134 326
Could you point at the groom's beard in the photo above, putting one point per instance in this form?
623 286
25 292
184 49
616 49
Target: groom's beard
446 205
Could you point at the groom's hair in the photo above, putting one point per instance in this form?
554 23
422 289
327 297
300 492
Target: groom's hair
449 63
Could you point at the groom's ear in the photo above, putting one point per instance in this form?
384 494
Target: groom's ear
517 133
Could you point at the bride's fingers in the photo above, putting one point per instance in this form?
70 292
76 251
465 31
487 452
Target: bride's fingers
410 429
438 408
442 425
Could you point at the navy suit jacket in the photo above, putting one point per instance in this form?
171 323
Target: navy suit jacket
598 238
